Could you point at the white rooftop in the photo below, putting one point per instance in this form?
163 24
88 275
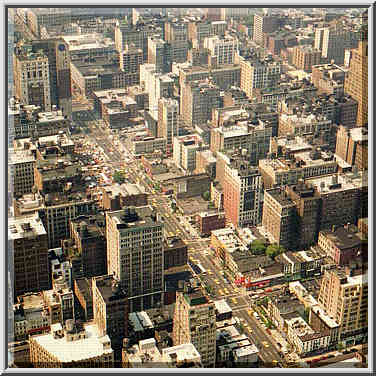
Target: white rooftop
25 226
80 349
222 306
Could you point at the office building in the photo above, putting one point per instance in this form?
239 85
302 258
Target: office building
110 309
352 146
305 57
184 151
194 322
28 242
59 64
262 25
21 166
356 82
221 50
130 60
168 120
343 244
38 17
345 299
135 255
253 138
76 345
32 77
88 234
257 75
197 100
242 188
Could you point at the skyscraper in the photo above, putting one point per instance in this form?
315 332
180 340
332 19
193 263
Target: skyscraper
135 255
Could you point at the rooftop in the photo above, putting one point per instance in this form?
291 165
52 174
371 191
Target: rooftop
91 346
25 227
129 218
109 289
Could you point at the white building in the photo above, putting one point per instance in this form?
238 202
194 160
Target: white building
304 338
222 49
184 151
74 346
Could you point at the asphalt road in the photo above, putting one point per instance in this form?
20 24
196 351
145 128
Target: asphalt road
175 225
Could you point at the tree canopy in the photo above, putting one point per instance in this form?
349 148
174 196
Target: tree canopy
274 250
258 247
118 177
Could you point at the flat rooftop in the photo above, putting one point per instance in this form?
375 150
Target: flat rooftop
75 351
25 226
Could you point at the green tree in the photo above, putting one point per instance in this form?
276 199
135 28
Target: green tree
274 250
118 177
258 247
206 196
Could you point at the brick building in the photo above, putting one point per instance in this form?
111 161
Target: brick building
29 246
175 253
208 222
110 308
343 244
88 233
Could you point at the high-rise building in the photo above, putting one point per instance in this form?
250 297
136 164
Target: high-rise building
32 77
222 50
263 24
176 35
194 322
258 75
235 13
305 57
352 146
76 345
213 14
21 166
110 309
39 17
184 151
135 255
158 85
126 34
88 233
333 40
242 188
356 82
28 241
159 54
168 120
130 60
197 100
59 62
345 299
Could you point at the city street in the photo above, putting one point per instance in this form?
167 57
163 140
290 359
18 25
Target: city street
198 248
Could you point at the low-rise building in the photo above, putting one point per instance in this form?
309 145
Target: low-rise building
115 107
231 345
304 339
139 145
209 221
116 196
342 244
175 253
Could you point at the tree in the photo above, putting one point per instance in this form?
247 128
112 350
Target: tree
258 247
206 196
274 250
118 177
